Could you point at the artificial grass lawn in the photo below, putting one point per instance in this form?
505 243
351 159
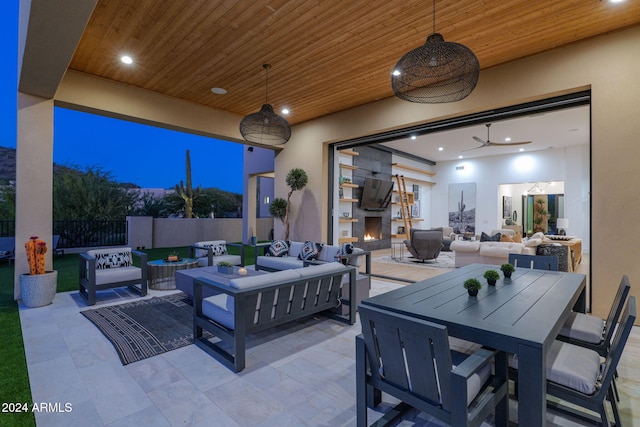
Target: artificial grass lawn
14 381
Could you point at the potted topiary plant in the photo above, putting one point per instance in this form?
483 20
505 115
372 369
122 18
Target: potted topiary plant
472 286
225 267
492 276
507 269
38 287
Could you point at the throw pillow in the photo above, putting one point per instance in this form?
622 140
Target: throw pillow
345 249
484 237
112 260
219 249
278 248
505 238
310 251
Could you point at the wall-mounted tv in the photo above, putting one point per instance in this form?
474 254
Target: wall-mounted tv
376 194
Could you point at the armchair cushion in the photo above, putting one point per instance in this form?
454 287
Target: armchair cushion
122 274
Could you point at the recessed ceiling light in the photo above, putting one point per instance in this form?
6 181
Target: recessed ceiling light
440 148
507 139
218 90
285 111
413 137
522 149
126 59
459 157
616 1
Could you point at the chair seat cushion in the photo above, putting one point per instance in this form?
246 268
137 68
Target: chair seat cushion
583 327
571 366
120 274
475 381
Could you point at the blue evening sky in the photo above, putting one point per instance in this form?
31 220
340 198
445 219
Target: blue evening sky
144 155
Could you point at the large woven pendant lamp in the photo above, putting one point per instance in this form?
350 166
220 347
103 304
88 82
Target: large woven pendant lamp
265 126
436 72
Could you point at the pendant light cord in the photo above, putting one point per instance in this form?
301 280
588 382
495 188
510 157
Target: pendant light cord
434 16
266 92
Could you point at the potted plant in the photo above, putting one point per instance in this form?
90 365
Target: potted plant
252 237
507 269
225 267
492 276
38 287
472 286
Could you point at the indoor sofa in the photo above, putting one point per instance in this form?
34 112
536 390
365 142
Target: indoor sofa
492 251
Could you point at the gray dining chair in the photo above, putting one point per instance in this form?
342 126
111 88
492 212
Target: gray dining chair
575 364
592 332
411 360
538 262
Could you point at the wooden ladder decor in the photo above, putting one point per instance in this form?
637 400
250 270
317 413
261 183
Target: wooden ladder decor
405 207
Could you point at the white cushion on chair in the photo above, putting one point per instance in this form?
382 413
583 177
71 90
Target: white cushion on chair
215 308
583 327
571 366
475 381
120 274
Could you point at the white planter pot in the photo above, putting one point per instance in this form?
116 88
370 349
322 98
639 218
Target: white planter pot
39 289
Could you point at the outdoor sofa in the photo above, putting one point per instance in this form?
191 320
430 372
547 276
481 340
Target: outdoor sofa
254 303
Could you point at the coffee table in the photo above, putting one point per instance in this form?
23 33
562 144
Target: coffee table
162 274
185 278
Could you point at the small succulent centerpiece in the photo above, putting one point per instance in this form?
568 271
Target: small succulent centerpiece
173 257
38 287
492 276
472 286
507 269
225 267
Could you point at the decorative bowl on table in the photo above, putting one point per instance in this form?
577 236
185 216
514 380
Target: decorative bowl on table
173 258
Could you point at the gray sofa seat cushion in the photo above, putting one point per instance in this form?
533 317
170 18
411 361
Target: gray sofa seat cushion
215 307
120 274
263 279
583 327
328 253
279 263
329 267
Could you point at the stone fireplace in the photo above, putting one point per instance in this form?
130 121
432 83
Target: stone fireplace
372 228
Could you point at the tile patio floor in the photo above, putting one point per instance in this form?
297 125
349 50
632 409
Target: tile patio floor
300 375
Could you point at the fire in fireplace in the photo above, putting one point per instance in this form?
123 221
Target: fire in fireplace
372 228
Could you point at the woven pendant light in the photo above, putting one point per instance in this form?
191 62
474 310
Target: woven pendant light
436 72
265 126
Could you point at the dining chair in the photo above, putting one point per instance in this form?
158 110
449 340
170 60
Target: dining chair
577 374
539 262
411 360
592 332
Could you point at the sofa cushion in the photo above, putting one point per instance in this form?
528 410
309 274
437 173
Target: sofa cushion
329 253
500 249
111 258
120 274
310 251
484 237
506 238
509 232
263 279
279 263
329 267
215 308
465 246
278 248
295 248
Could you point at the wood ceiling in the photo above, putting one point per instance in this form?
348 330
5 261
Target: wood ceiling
326 55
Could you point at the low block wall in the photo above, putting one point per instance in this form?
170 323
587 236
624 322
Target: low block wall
151 232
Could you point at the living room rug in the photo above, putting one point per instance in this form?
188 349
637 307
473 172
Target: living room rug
146 328
445 260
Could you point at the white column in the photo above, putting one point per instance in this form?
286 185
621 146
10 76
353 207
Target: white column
34 179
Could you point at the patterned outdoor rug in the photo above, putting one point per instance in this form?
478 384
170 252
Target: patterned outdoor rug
146 328
444 260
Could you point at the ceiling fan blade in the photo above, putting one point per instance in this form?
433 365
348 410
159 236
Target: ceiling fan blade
474 148
507 143
481 141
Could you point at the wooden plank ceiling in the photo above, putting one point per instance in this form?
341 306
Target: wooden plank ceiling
326 55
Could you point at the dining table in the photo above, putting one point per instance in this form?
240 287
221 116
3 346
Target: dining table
521 315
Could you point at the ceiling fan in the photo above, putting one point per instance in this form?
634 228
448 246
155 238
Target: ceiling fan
489 143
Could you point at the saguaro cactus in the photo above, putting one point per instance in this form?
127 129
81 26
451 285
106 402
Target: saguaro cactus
186 192
36 249
461 205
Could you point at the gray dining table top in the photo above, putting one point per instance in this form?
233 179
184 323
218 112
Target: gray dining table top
527 309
